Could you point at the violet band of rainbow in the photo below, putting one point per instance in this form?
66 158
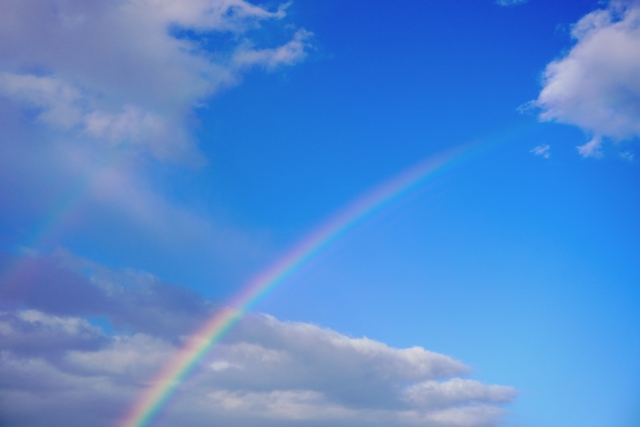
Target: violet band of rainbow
181 364
56 215
147 407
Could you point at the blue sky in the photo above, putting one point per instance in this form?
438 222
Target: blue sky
156 156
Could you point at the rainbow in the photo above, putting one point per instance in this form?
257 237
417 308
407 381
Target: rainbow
147 407
58 213
198 345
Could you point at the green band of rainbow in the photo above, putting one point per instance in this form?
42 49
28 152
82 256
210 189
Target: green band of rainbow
186 359
179 367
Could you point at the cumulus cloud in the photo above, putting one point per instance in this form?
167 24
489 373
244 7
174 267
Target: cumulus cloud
64 285
100 99
58 367
80 81
128 72
596 85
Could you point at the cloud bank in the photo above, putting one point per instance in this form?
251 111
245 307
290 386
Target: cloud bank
69 361
100 98
596 85
128 72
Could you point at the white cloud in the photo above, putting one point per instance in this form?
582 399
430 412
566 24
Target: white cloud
510 2
541 150
60 370
137 301
479 415
130 71
592 148
627 155
92 94
317 376
63 106
456 391
287 54
596 86
56 99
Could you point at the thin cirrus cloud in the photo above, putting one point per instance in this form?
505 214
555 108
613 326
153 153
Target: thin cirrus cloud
543 150
596 86
59 368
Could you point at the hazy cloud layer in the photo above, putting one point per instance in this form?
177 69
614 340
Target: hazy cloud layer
62 365
596 86
98 99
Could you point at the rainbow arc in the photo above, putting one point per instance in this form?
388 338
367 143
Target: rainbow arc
200 343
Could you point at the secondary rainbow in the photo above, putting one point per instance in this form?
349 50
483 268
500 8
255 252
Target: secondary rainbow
199 344
58 213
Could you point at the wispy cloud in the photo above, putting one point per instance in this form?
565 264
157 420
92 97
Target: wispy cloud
55 362
592 148
628 155
542 150
510 2
596 86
